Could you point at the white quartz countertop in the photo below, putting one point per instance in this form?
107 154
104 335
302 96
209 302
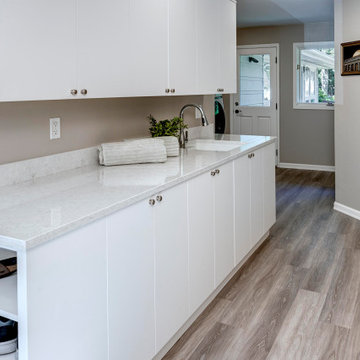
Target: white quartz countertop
37 211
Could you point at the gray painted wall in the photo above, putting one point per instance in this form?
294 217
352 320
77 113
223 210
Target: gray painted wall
24 126
306 136
347 110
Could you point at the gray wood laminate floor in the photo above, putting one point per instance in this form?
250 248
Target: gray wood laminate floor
298 296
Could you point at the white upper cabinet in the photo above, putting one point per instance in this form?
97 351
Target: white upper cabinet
75 49
123 47
227 46
182 47
38 49
208 56
216 46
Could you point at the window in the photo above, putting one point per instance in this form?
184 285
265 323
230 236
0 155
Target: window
255 80
314 75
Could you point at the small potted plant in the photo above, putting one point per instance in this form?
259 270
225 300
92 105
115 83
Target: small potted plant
169 131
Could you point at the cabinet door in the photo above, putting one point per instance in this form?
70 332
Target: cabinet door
63 309
123 47
269 187
131 283
37 43
242 189
257 197
182 47
208 56
224 222
171 264
227 45
201 239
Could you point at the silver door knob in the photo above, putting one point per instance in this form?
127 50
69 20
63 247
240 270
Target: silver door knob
159 198
167 90
173 90
83 91
213 173
217 171
73 92
152 202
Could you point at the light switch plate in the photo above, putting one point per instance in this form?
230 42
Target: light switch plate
55 132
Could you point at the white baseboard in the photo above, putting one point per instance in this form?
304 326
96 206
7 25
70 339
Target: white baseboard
306 167
347 210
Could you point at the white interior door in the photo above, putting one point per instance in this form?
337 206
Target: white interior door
255 104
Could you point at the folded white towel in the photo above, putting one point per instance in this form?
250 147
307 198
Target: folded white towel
171 144
132 152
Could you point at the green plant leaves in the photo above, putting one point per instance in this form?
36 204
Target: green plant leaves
166 127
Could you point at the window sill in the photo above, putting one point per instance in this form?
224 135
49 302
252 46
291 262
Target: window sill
313 107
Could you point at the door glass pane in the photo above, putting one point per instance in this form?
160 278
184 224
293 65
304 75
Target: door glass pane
254 80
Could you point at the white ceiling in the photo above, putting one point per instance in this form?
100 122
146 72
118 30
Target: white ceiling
281 12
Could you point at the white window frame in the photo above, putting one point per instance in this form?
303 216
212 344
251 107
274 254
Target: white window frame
296 75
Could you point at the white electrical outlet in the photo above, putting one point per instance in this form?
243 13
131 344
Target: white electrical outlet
55 128
197 114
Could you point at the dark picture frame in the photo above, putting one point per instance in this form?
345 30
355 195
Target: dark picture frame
350 58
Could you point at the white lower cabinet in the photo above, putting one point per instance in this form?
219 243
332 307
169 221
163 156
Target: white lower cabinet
242 190
132 280
62 294
255 203
224 221
201 239
171 263
131 305
257 196
269 162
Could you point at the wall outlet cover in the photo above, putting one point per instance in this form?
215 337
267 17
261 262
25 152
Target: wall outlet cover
55 132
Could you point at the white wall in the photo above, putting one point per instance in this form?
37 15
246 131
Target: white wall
347 110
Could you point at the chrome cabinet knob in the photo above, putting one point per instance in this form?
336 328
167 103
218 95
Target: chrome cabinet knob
217 171
73 92
253 155
159 198
250 156
213 173
173 90
152 202
83 91
220 90
167 90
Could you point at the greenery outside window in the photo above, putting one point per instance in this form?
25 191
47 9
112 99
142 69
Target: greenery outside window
314 75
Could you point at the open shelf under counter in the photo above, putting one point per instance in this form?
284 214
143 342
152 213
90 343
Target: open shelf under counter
8 297
12 356
8 293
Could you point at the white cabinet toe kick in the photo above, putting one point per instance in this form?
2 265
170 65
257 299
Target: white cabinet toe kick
127 286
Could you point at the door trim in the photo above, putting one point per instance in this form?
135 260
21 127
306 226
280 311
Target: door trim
264 46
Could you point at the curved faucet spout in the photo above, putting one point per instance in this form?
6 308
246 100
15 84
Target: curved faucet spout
204 121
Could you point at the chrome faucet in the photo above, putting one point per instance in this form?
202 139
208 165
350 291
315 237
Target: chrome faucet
204 122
